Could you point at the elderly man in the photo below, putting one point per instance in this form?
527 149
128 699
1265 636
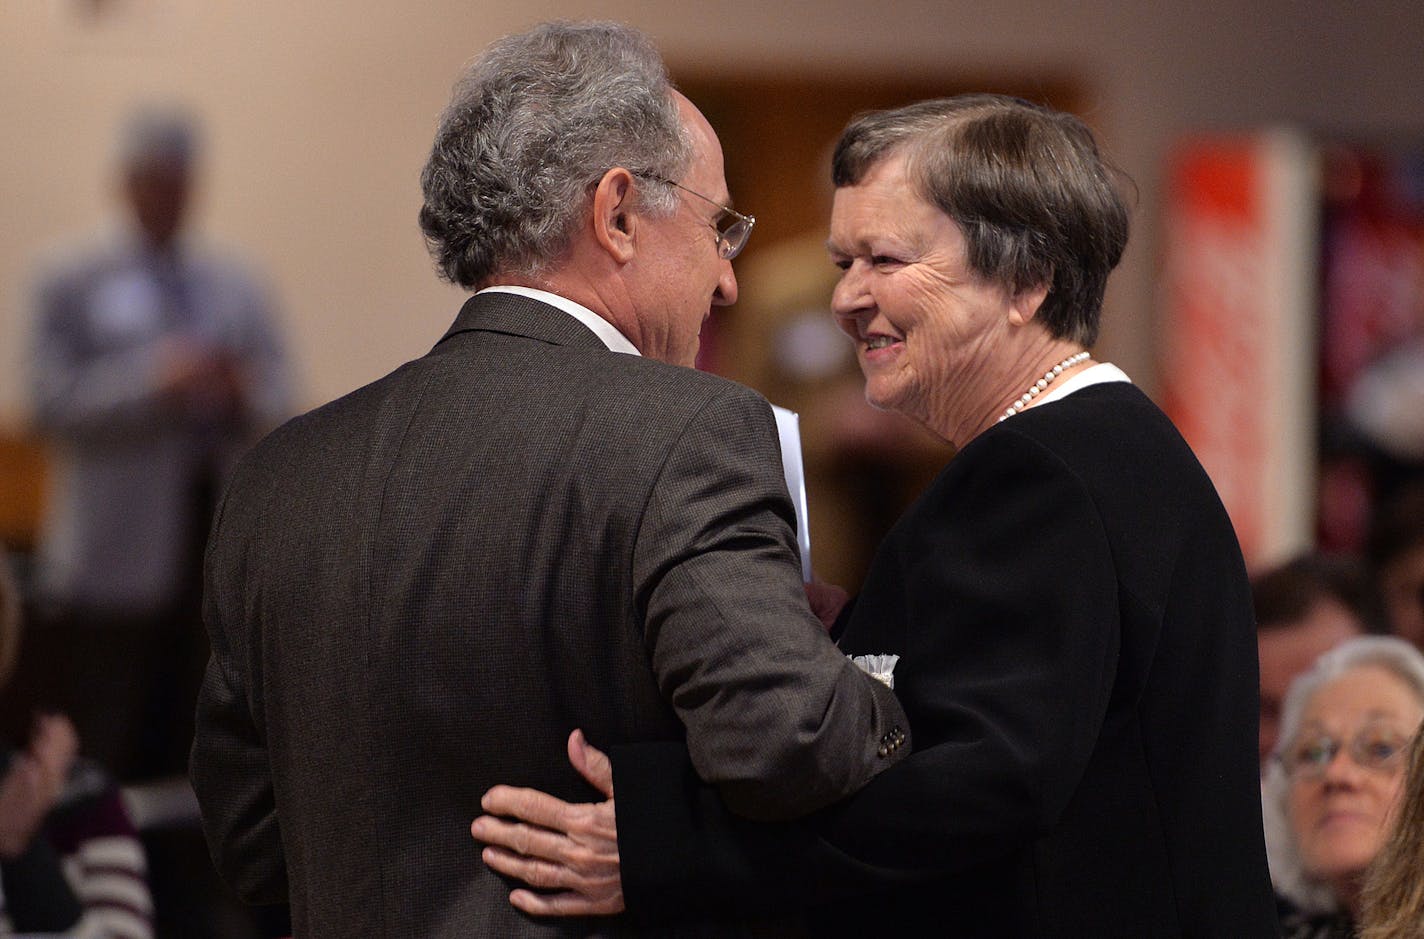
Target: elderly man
548 522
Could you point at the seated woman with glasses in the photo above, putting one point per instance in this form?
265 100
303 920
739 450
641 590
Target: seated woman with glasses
1334 785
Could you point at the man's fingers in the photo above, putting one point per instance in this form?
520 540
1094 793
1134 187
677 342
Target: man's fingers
529 805
565 904
591 762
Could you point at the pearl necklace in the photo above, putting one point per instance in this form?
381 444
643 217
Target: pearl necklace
1037 387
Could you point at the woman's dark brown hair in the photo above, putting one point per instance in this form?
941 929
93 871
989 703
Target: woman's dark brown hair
1025 184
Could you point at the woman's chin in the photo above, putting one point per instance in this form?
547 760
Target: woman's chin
1344 865
884 396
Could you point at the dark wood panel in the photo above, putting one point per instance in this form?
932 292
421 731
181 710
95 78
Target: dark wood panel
22 478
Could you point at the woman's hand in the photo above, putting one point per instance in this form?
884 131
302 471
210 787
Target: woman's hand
548 843
34 781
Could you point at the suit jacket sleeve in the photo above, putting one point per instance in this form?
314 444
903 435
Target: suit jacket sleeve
776 717
230 767
1014 617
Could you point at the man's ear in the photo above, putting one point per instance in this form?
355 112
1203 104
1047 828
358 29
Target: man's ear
1024 305
615 221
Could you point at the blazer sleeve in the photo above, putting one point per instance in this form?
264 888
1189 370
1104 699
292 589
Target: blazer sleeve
1014 617
776 716
230 768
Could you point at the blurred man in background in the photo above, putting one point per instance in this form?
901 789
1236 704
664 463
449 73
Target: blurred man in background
1396 555
155 361
1304 608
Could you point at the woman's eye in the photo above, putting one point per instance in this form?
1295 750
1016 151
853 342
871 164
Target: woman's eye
1381 750
884 260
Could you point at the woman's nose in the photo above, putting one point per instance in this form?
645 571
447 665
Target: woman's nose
850 295
1341 768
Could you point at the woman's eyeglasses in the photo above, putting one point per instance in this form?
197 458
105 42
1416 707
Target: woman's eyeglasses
1376 746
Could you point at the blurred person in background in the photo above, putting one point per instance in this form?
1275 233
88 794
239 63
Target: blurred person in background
1304 608
1394 886
1395 550
70 859
1335 782
155 361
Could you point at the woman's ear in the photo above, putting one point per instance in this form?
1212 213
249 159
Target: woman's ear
615 222
1024 305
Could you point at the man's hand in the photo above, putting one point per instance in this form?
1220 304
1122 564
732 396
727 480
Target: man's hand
549 843
827 601
206 382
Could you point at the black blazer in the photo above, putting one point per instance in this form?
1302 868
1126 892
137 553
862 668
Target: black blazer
417 591
1078 660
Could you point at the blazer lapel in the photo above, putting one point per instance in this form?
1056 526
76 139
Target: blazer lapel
515 315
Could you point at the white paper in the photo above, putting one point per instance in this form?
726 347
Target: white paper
788 430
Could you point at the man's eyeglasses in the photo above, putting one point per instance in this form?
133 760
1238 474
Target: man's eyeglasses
732 227
1376 746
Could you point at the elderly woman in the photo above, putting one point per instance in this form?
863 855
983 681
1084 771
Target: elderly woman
1335 782
1064 613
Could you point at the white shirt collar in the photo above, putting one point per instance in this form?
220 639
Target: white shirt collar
1093 375
605 330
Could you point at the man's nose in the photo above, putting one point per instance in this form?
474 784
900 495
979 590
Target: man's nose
726 293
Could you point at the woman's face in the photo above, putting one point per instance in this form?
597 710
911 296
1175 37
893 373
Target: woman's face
925 327
1341 811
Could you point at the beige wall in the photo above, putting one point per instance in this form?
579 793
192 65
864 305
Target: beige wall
320 112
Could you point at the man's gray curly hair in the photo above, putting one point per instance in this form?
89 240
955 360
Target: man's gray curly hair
534 122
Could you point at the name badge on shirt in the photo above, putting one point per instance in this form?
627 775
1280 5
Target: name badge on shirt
126 307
